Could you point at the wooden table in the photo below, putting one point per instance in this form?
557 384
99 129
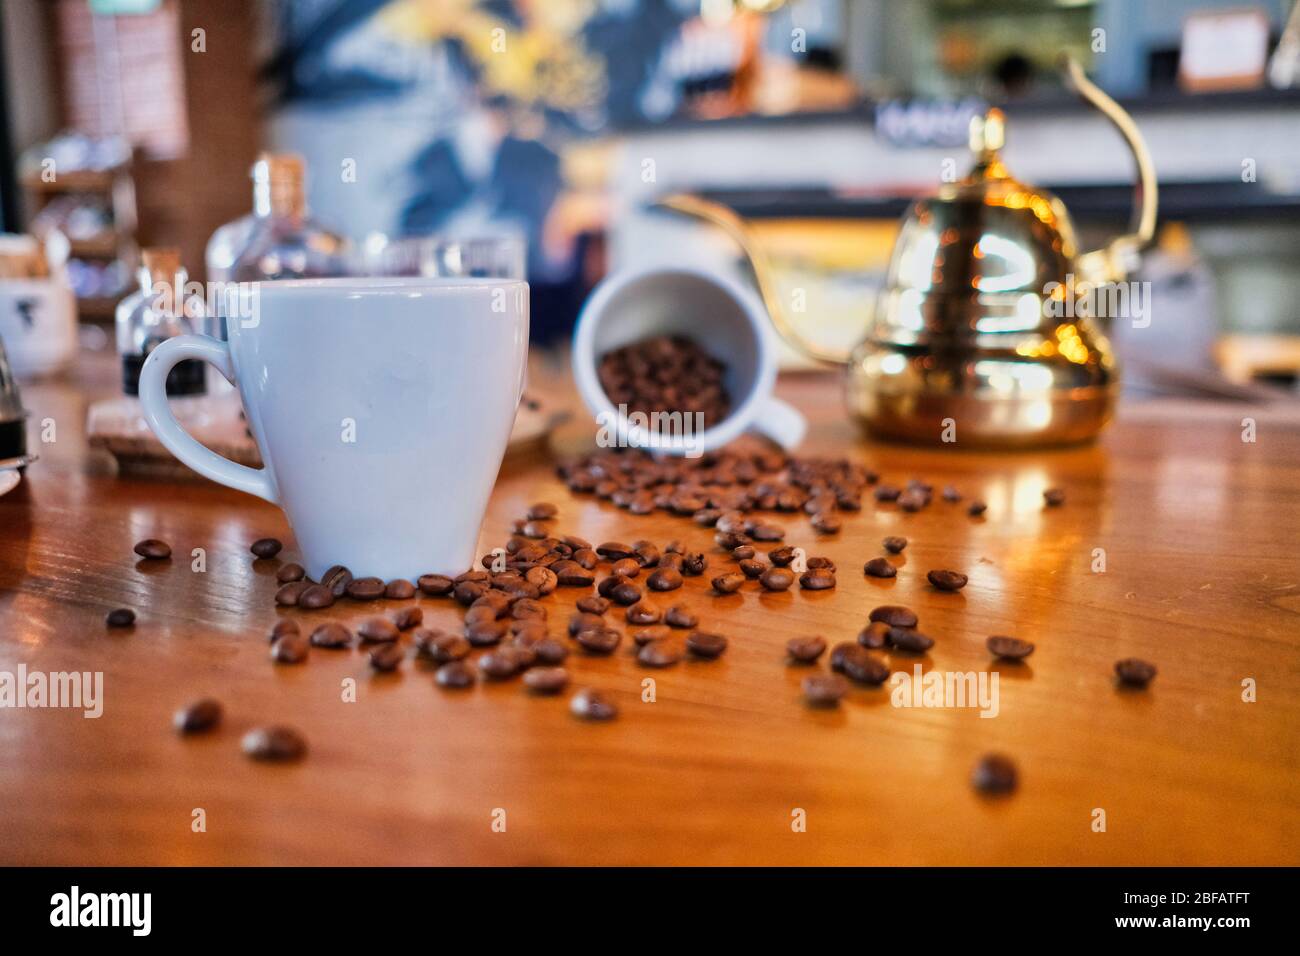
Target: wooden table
1201 535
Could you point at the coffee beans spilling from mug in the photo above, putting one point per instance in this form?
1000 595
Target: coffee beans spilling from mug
665 374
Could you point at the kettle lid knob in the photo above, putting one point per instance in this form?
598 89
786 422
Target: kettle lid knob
988 133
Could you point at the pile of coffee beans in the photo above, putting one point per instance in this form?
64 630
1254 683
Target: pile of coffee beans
616 587
665 374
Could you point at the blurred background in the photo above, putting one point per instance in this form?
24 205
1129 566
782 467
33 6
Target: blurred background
557 123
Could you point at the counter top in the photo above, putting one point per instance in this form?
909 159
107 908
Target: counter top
1202 576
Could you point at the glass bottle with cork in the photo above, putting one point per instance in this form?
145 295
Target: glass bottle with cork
158 310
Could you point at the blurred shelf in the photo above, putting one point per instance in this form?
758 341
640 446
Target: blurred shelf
1191 202
98 308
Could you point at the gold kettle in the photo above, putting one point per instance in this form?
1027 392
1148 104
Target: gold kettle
986 332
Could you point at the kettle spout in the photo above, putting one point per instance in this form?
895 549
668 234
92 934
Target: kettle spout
1115 261
734 226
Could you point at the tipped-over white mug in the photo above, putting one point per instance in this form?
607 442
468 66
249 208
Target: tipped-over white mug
724 319
382 409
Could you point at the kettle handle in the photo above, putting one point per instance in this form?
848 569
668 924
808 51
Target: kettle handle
1120 255
730 223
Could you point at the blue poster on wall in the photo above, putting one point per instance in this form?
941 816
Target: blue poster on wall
454 114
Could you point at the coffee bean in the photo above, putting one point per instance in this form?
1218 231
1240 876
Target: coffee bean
436 585
886 492
909 639
454 675
572 574
766 532
550 651
542 511
781 557
584 621
1009 648
839 652
626 567
744 553
527 609
399 589
1135 672
467 592
879 568
592 604
485 633
895 615
274 744
574 542
408 617
655 632
821 564
288 595
817 579
731 540
826 523
377 630
679 616
947 580
528 631
664 579
861 665
586 558
599 640
694 564
951 494
1054 497
805 650
663 653
994 774
266 547
615 551
290 572
120 617
824 690
706 645
387 657
875 635
440 646
314 597
591 704
642 613
728 583
337 578
482 614
542 578
284 627
331 634
777 579
894 544
753 568
502 663
546 680
198 717
976 508
365 589
151 549
289 649
626 594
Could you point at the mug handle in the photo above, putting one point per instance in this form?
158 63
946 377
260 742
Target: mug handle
781 422
158 414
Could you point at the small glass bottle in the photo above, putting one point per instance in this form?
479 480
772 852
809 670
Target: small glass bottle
282 241
158 310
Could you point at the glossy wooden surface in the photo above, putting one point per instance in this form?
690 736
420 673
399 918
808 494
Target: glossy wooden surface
1201 534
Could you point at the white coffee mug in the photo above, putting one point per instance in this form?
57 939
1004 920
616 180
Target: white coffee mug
382 409
724 319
